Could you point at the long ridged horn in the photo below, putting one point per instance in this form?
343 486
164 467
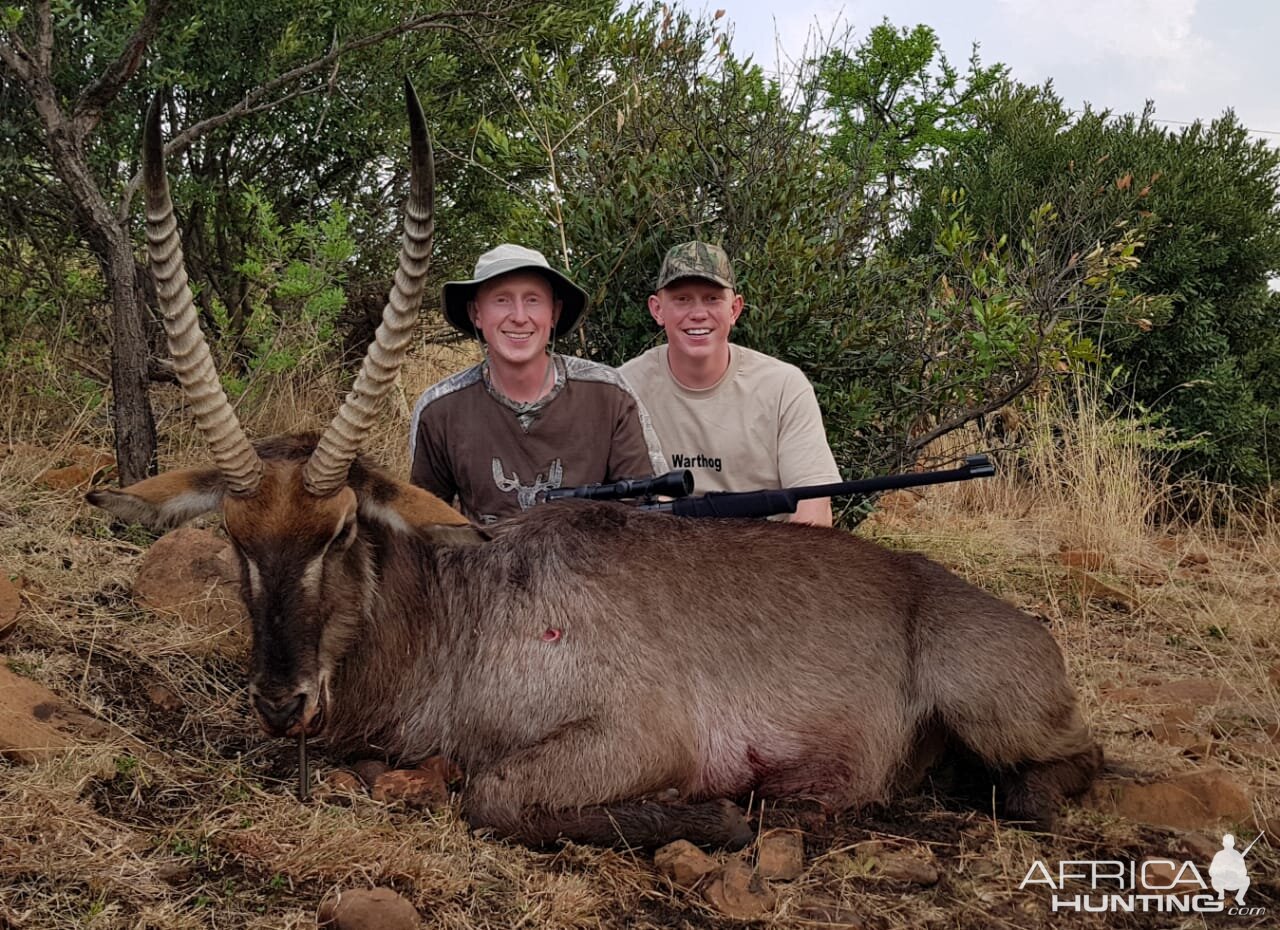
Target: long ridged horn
326 470
235 457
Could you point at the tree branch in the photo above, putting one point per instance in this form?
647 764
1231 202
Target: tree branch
16 58
960 419
88 108
44 37
252 102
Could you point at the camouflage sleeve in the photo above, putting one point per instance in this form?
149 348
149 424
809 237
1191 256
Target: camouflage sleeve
635 452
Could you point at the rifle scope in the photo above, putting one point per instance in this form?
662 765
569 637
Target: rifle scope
673 484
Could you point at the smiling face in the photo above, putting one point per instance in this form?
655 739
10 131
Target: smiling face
698 315
516 313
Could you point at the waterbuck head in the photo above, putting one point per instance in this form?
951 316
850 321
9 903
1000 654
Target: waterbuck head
293 507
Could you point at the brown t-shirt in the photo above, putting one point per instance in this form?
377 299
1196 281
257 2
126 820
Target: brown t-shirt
470 442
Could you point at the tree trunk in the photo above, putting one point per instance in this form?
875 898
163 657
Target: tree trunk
108 237
135 427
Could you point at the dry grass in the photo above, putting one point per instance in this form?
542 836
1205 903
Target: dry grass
200 829
1158 599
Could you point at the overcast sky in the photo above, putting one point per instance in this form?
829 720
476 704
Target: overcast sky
1194 58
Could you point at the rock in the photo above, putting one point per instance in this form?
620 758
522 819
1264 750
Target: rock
193 574
684 863
345 780
36 725
893 508
1200 749
414 788
446 769
1271 827
87 463
1088 559
1166 876
339 787
1176 726
367 909
1092 588
174 873
737 891
1199 847
162 697
66 479
1149 575
913 866
369 770
1193 801
97 460
781 855
23 449
900 499
909 868
10 604
28 733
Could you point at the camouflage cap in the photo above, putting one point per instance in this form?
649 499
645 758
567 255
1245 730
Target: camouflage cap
697 260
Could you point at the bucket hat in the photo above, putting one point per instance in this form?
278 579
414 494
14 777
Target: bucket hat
455 295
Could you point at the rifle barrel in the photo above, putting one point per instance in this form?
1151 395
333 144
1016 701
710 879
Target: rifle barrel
975 466
767 503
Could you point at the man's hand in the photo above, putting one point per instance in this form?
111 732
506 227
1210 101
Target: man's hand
816 512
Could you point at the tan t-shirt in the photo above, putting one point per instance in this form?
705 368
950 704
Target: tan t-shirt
758 427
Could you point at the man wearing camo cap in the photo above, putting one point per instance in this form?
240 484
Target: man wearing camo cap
526 419
738 419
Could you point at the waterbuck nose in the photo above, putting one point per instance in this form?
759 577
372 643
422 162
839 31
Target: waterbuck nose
280 715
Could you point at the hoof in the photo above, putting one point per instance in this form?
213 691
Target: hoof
735 829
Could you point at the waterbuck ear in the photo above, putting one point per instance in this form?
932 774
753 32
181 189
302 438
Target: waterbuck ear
407 508
165 501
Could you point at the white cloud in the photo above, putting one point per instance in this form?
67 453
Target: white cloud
782 34
1153 38
1194 58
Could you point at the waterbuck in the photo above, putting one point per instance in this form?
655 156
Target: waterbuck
600 673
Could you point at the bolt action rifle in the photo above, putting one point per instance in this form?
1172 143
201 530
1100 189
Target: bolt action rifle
678 485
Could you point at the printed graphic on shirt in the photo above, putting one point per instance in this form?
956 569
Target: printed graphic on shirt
527 494
680 460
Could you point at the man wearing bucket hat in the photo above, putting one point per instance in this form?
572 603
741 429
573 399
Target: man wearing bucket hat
740 420
525 419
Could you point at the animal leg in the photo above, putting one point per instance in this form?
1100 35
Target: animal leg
637 824
579 784
1035 791
1036 740
832 785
